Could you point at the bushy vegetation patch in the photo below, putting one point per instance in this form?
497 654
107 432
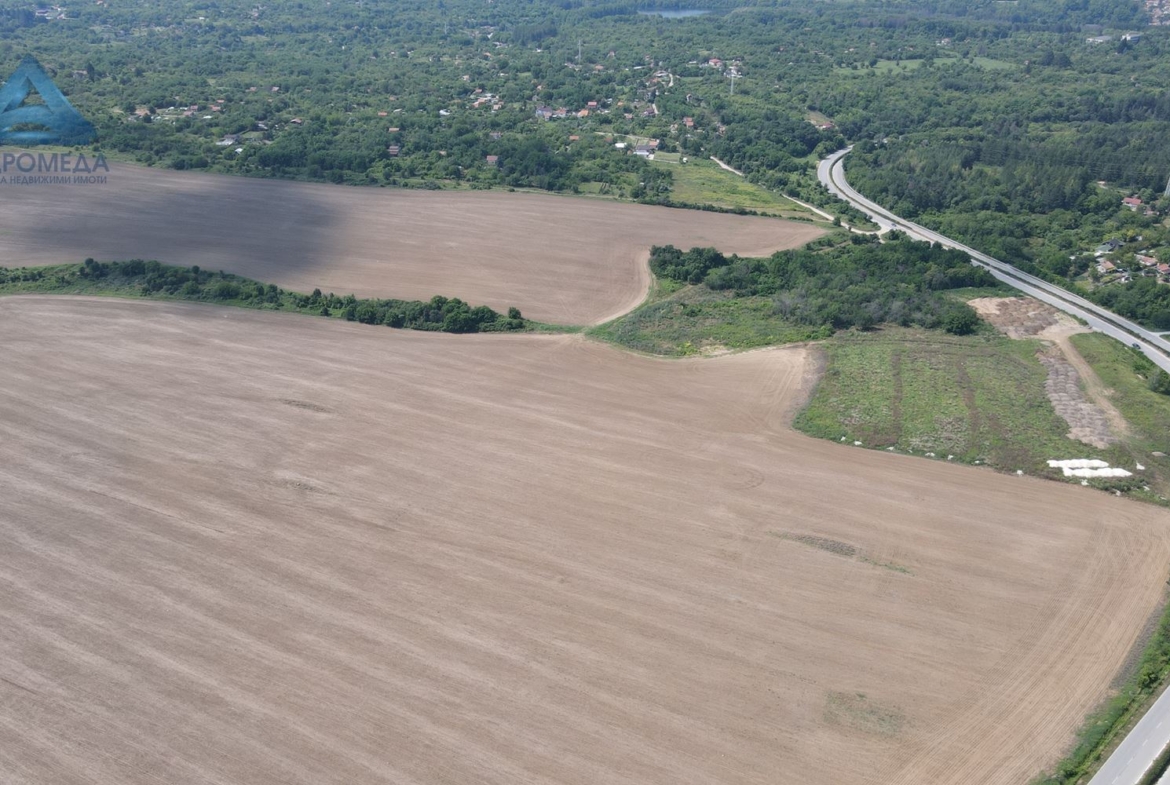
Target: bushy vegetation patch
828 283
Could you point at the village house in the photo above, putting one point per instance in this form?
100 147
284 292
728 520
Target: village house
393 150
1132 202
1109 246
1146 261
493 160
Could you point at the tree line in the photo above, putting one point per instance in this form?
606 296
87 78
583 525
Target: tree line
138 277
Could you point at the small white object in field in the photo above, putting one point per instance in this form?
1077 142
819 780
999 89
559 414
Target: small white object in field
1139 467
1085 467
1079 463
857 444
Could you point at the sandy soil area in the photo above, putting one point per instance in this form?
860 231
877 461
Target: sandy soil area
239 547
558 259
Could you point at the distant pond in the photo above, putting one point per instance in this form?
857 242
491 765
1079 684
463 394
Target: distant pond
680 14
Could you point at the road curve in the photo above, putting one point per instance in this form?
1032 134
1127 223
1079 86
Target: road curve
831 172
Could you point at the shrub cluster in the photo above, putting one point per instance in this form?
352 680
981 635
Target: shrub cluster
858 284
1157 379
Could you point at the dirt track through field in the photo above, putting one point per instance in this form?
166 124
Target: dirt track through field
559 259
1073 387
239 547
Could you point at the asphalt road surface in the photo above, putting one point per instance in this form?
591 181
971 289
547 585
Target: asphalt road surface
1134 756
831 172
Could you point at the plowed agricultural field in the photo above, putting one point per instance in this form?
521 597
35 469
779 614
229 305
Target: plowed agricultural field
559 259
247 547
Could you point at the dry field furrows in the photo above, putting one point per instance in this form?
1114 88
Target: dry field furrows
559 259
239 547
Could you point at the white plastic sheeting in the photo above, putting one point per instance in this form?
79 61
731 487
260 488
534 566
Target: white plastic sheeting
1088 468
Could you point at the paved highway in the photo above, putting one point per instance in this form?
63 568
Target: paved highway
831 172
1136 754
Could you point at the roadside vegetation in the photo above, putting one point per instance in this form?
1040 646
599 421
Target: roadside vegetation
150 279
1137 388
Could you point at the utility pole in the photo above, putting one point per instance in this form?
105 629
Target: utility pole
734 76
580 43
1167 187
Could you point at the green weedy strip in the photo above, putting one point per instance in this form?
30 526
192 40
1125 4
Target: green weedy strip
1161 765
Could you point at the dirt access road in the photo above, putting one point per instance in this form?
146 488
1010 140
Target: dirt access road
242 547
1075 390
557 258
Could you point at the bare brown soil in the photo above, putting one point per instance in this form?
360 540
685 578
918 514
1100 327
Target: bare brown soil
1073 387
245 547
1018 317
559 259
